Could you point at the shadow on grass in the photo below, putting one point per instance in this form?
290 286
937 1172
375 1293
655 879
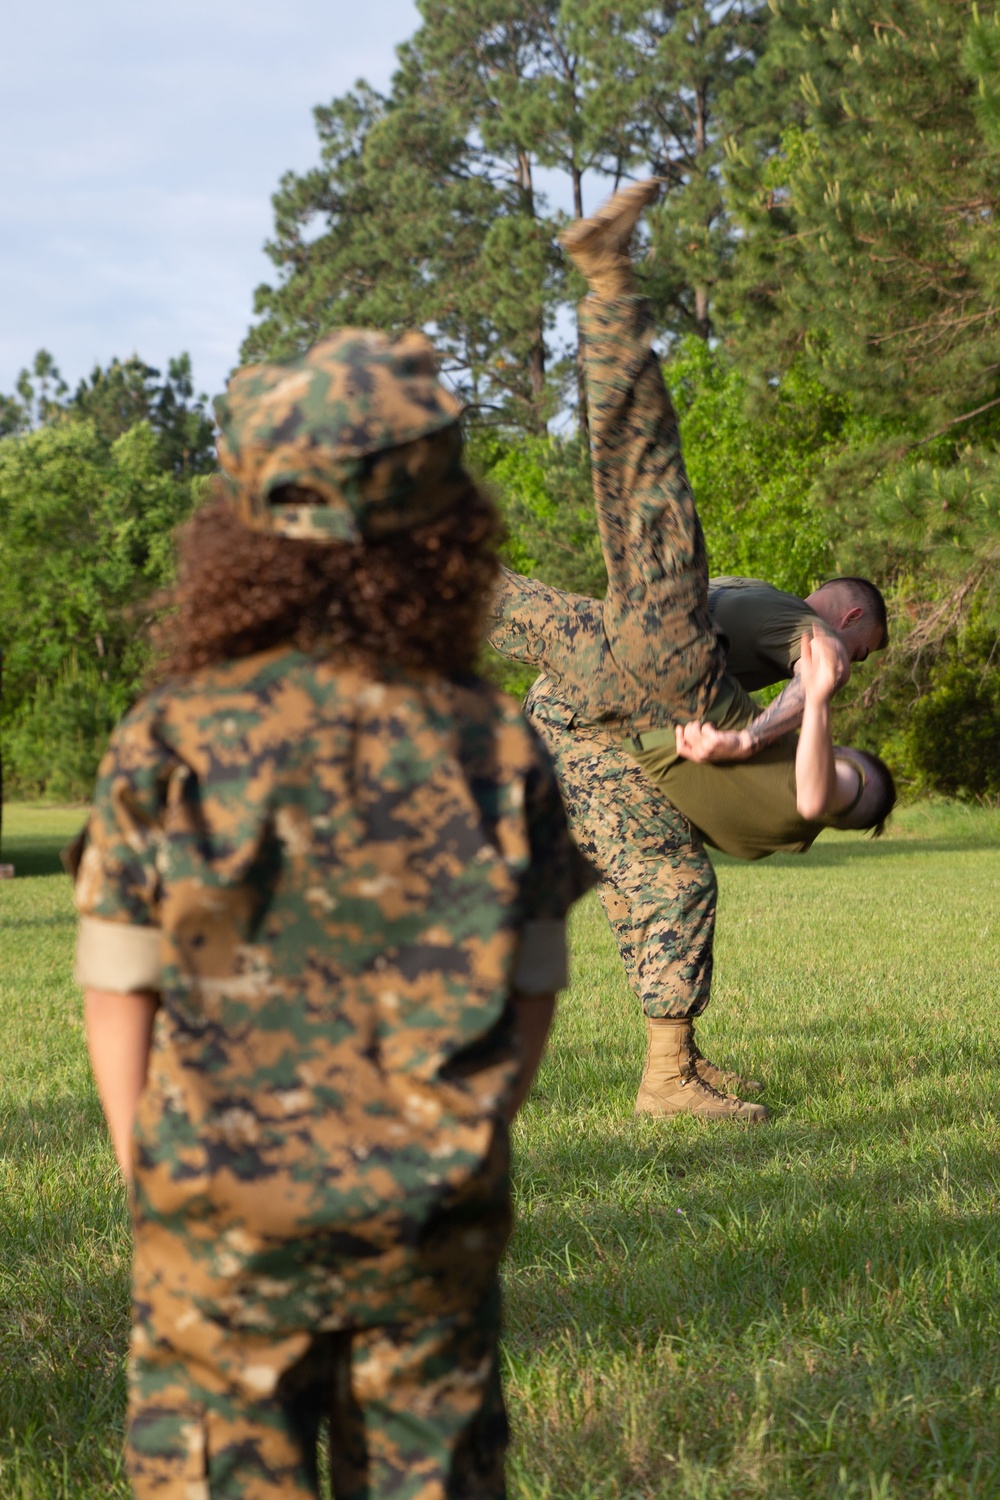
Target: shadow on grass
33 856
41 1131
731 1256
827 855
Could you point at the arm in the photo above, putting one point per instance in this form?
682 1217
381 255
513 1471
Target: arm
780 717
533 1016
119 1030
703 742
816 789
519 614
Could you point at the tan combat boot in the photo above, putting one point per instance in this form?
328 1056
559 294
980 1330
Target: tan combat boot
670 1082
718 1078
598 246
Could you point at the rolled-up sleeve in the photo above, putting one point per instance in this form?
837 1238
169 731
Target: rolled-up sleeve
117 882
116 956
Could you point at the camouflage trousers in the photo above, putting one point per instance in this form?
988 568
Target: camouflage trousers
412 1410
658 885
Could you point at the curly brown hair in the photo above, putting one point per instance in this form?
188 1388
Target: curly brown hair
416 599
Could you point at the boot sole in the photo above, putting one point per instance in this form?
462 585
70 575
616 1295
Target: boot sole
703 1114
582 231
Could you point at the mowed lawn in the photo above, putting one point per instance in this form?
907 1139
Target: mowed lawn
809 1308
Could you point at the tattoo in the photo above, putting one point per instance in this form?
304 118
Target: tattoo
783 715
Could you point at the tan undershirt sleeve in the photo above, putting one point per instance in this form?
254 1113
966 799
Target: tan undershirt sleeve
542 967
113 956
116 956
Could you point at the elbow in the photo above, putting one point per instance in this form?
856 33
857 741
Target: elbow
810 805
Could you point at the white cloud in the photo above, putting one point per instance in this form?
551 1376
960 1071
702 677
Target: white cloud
143 145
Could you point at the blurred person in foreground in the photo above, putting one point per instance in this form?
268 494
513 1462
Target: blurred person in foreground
654 740
322 898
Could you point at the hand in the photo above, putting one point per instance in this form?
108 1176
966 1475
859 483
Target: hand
703 742
822 666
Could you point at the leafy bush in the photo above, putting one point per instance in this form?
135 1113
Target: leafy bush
753 460
949 741
85 539
55 737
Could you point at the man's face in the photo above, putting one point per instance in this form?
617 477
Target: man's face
860 634
861 637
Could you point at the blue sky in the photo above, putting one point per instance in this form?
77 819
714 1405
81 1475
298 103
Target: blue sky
142 144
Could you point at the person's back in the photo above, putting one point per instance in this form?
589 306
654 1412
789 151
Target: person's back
322 897
760 627
341 866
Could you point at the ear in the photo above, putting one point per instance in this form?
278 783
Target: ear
851 617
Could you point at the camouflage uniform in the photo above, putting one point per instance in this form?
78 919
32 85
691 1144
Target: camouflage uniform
658 885
335 881
646 657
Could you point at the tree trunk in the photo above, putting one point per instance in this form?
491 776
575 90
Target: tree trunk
582 417
701 309
702 319
536 357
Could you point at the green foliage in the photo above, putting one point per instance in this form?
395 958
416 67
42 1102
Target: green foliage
683 73
40 398
115 399
869 264
752 466
85 538
949 741
55 735
543 488
870 234
429 206
981 59
130 391
936 522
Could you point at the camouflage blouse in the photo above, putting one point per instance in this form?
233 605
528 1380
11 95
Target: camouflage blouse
328 878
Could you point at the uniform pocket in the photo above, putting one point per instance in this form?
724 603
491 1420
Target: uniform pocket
539 705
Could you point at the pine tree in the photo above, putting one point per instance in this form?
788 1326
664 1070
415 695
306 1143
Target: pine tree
869 264
431 211
675 74
438 204
870 248
115 398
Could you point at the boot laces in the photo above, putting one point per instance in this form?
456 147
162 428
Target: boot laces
724 1076
690 1074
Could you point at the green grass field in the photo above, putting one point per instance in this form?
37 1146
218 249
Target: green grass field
810 1308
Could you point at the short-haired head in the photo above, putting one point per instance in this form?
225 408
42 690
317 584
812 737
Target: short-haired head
855 608
878 792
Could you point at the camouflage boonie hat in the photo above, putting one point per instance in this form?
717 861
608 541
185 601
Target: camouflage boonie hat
361 420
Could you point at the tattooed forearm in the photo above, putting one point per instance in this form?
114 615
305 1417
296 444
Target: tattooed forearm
783 715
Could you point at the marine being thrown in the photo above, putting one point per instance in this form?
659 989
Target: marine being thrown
620 675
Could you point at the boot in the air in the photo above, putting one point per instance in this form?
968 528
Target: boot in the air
670 1082
598 246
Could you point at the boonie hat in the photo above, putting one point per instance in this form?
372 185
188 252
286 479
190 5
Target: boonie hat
361 420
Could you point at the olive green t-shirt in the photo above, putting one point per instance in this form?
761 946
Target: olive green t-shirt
761 629
745 808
